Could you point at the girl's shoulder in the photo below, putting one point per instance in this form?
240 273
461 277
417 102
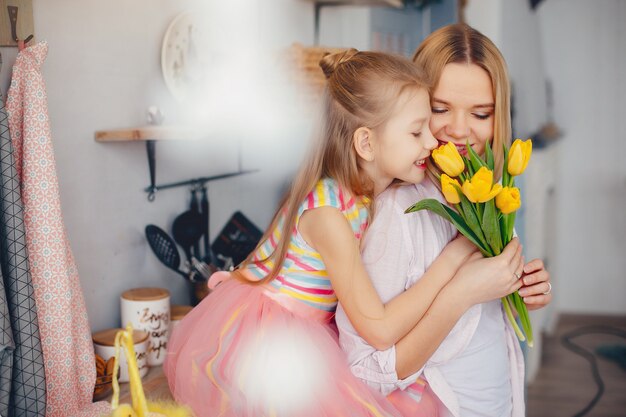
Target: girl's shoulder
329 193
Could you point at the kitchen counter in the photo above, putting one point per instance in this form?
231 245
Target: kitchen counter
154 386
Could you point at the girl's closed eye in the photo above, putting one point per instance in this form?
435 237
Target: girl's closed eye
417 134
439 110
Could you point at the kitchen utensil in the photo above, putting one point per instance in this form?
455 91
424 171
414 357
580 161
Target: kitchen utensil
209 257
164 248
227 262
204 270
237 239
193 206
186 230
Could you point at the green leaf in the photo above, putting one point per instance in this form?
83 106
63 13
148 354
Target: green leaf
453 217
504 228
475 161
511 225
491 227
489 156
471 217
505 171
468 165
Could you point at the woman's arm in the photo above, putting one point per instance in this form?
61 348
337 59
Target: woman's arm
381 325
478 281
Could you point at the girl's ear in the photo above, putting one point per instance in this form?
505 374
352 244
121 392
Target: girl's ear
363 145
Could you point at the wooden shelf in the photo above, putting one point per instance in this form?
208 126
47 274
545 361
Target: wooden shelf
391 3
154 386
148 133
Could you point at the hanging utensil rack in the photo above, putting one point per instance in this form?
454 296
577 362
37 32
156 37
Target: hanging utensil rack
151 134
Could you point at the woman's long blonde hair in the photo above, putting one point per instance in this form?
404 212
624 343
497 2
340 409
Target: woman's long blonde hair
462 44
361 91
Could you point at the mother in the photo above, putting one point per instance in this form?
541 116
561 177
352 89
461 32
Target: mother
463 350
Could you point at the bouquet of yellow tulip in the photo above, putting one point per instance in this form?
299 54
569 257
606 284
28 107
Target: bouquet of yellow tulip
484 211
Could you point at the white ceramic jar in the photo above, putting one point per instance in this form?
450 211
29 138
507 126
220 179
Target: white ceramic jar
148 309
104 346
177 313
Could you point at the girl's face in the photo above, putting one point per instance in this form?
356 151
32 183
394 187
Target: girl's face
463 107
402 146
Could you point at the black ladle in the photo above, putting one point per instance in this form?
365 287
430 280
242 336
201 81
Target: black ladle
187 229
209 257
164 248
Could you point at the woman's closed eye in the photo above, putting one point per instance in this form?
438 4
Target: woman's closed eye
439 110
482 116
417 134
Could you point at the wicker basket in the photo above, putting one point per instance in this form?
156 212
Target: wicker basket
307 74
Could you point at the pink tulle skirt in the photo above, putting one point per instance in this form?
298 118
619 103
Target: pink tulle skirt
241 353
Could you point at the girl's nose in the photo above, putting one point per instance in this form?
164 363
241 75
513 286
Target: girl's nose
458 128
430 142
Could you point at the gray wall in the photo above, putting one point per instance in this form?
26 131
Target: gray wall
102 72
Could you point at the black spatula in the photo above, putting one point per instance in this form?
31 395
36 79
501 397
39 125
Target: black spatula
164 248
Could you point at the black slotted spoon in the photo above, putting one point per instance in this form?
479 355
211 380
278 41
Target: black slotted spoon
165 249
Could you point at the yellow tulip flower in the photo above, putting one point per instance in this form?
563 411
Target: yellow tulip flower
508 200
480 188
449 160
519 155
449 191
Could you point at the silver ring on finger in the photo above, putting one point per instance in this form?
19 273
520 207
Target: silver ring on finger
518 276
549 289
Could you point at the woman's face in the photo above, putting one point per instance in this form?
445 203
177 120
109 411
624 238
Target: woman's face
463 107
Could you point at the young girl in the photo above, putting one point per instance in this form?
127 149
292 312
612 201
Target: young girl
262 344
463 346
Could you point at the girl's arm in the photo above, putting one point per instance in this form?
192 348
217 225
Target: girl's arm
478 281
381 325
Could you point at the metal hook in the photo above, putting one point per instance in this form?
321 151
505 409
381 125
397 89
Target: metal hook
13 18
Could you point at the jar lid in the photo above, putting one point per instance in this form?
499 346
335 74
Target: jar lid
145 294
107 337
178 312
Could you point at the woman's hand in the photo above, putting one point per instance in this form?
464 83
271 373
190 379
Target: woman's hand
537 290
484 279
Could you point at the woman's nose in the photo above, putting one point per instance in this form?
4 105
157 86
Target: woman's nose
458 128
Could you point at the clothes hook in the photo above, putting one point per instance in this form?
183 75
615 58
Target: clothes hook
13 18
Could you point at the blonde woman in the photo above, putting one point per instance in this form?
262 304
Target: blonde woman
463 351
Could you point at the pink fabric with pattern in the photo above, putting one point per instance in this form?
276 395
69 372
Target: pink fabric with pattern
63 323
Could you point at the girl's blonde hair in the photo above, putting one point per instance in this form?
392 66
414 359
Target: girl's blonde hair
462 44
361 91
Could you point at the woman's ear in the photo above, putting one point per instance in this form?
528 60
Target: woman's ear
362 140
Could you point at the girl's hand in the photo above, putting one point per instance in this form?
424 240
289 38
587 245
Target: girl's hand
537 290
458 251
484 279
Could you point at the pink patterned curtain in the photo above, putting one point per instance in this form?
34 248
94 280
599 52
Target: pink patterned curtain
63 325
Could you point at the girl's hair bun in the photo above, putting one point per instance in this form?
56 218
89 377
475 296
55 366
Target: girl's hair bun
330 62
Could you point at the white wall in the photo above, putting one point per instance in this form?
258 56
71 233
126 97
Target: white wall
578 46
102 72
585 43
514 28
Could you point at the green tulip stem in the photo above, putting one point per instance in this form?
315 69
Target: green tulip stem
522 311
481 210
509 315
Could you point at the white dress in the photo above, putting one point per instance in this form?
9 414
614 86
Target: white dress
470 369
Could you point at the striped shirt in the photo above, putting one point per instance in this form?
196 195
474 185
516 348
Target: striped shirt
303 275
